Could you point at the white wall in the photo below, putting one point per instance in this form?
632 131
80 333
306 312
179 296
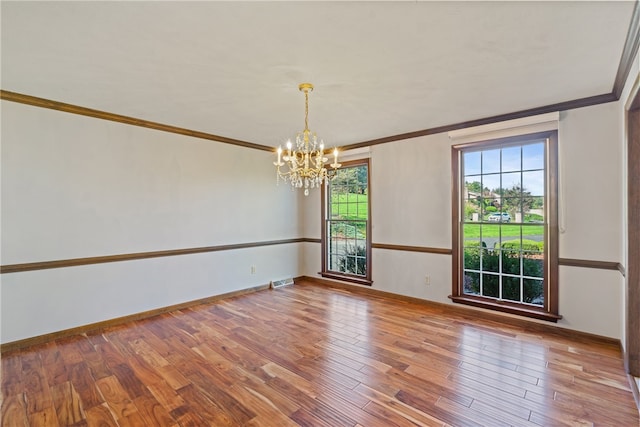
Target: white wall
590 153
411 205
75 187
590 212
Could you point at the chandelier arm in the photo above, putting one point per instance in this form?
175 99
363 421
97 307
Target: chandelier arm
297 159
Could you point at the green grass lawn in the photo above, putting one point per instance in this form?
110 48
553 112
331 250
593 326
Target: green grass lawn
352 206
349 206
508 230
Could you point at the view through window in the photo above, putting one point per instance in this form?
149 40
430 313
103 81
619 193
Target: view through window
346 236
503 224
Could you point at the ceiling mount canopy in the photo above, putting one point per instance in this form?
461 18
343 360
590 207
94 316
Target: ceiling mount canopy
306 162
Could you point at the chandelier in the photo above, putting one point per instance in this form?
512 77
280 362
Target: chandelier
306 162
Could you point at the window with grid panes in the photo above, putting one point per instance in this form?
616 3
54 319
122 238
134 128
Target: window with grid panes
505 232
346 224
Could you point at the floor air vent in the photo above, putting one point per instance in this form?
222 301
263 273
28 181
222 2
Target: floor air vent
281 283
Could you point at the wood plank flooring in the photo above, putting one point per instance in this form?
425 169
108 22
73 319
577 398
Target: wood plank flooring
310 355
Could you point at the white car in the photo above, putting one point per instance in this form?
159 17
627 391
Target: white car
499 217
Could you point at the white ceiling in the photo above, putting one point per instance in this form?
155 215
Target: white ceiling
379 68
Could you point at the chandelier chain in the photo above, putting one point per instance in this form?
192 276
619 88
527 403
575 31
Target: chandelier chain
306 110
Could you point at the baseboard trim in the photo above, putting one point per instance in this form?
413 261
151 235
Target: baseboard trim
465 311
529 326
634 389
79 330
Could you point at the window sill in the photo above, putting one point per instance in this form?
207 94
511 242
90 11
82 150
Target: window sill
346 278
507 307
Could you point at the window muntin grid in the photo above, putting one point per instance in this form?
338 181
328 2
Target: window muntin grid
348 221
504 222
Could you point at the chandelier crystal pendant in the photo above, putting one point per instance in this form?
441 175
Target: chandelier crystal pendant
306 162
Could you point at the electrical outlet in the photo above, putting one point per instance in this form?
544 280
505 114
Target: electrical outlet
427 280
253 269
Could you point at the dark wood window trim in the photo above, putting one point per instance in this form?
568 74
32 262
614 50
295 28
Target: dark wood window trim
346 278
324 212
550 310
506 307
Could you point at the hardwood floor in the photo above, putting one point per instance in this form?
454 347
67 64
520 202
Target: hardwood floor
314 356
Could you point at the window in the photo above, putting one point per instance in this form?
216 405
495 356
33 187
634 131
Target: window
505 236
346 225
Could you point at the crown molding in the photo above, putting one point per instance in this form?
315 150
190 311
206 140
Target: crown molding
629 52
103 115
